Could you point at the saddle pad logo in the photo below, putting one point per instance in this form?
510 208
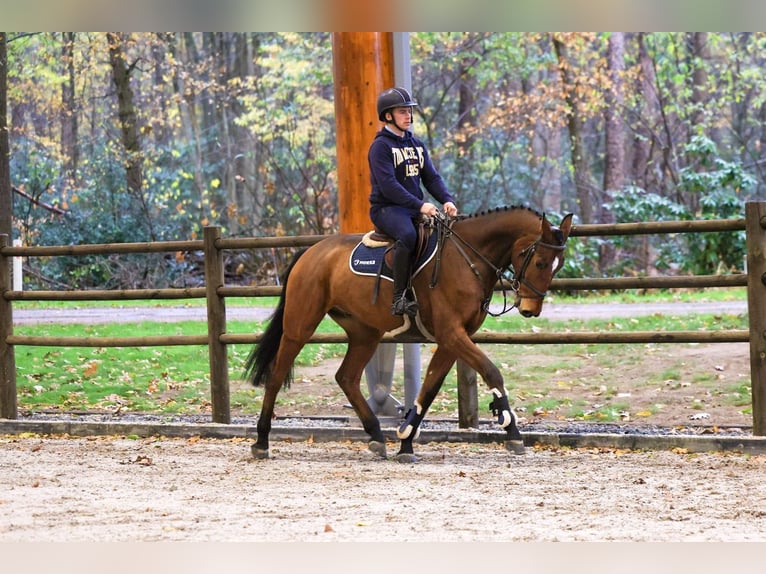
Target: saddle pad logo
366 260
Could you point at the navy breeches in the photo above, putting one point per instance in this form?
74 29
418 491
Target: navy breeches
396 222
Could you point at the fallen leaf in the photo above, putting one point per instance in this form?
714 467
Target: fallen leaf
699 416
328 528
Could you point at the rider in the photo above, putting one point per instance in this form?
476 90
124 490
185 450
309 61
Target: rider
399 162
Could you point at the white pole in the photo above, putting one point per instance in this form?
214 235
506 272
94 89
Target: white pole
17 276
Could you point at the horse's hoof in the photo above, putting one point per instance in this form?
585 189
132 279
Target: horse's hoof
515 446
378 448
406 458
259 453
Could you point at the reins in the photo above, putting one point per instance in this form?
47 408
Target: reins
445 231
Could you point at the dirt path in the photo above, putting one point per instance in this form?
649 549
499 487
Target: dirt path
116 489
129 314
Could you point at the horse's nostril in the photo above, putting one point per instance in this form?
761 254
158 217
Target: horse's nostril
526 313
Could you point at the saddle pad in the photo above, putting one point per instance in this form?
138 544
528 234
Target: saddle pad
366 260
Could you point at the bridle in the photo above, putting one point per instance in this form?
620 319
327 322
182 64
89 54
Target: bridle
445 231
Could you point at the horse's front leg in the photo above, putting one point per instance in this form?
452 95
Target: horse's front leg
475 358
506 418
408 431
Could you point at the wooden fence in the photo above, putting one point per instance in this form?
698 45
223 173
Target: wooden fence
215 292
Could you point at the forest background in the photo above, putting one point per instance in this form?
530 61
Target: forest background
123 137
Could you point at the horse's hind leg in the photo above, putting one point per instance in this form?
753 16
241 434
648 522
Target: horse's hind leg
348 377
280 369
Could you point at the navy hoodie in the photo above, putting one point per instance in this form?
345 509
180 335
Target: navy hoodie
397 167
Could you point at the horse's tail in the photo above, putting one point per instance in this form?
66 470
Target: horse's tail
261 358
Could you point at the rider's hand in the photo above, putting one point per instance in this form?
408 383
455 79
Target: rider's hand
429 209
450 209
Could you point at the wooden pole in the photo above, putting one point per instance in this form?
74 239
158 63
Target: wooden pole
755 219
216 326
362 68
467 396
8 401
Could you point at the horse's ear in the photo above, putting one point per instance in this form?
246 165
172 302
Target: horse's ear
545 225
566 225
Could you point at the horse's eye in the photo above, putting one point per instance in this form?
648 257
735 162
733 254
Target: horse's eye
541 264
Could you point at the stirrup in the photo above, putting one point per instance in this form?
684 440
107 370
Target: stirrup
403 305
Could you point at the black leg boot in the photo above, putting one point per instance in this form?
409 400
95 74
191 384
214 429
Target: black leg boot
401 269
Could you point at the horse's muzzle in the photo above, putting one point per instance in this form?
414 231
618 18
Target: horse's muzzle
527 313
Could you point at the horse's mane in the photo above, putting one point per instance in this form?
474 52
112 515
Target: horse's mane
497 210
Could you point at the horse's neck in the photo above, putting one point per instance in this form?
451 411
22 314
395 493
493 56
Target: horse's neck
494 234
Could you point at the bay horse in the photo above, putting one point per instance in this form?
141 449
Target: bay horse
474 253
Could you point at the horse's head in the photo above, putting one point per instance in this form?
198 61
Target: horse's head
536 259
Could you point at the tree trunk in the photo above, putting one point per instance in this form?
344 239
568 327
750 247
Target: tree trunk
190 97
614 170
700 53
127 113
128 118
614 162
700 97
244 184
642 135
6 199
547 155
69 116
584 185
161 128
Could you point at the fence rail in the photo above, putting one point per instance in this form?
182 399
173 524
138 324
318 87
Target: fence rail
215 292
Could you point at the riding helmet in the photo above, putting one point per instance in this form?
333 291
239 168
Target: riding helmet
393 98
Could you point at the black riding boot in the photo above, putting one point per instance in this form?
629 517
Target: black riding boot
401 269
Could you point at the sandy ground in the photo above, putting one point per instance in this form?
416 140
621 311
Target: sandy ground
111 489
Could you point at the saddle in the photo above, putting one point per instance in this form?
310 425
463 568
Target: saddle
377 238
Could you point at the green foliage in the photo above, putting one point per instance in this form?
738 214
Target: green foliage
636 253
720 185
238 130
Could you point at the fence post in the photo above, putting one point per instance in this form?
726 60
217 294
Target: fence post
467 396
8 400
755 225
216 326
